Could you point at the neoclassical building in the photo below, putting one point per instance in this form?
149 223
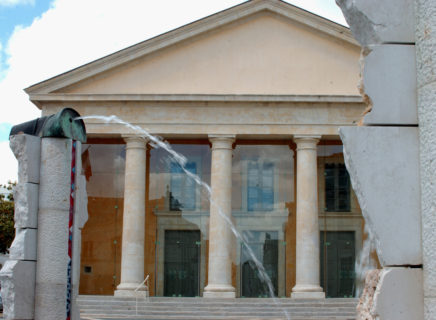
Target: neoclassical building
252 98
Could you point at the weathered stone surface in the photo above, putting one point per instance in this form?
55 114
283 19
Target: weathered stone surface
366 301
372 21
81 204
51 270
18 289
24 245
26 149
426 75
430 308
26 205
80 218
427 129
54 189
426 41
399 294
389 80
384 168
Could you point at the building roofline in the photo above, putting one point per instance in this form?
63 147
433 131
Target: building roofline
186 32
62 97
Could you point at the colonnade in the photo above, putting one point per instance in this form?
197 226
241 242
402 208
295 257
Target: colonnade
220 235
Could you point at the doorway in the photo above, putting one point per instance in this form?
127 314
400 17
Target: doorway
264 245
337 263
181 266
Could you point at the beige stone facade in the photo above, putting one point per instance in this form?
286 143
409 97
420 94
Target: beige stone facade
253 98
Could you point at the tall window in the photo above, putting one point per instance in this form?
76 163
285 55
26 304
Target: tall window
260 186
337 188
183 187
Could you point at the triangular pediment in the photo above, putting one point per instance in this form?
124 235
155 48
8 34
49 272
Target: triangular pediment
260 47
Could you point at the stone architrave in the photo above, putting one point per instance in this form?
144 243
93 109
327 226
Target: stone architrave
132 254
308 261
220 233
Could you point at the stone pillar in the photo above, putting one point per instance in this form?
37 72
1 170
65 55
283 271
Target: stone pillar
220 234
132 252
52 239
308 264
18 274
426 76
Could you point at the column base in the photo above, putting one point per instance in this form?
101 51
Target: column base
308 295
219 291
307 292
128 290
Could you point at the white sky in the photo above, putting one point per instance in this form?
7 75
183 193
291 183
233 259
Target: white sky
75 32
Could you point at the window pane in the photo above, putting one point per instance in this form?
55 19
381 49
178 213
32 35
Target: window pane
337 187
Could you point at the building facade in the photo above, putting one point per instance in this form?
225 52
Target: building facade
247 181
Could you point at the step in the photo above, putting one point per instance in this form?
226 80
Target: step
109 307
153 317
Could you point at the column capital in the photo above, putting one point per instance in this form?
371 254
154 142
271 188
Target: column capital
304 141
135 141
222 141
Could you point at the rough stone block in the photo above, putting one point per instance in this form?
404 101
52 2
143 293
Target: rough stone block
24 245
427 124
366 300
26 205
27 150
53 216
399 294
426 41
374 21
53 234
18 289
389 80
50 301
54 188
383 163
430 308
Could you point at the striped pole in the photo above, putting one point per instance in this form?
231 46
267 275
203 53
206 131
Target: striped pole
70 231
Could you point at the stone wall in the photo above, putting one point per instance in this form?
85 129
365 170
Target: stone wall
391 156
34 279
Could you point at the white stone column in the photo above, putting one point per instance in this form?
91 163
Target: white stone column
220 234
132 252
52 238
308 265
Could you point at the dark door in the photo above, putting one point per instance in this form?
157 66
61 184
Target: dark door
181 267
264 245
337 263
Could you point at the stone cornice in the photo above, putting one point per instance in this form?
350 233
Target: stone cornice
189 31
57 97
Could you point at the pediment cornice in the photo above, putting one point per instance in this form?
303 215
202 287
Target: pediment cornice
189 31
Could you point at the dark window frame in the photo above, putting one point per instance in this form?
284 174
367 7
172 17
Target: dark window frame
337 188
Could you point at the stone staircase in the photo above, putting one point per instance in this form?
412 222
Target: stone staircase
109 307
